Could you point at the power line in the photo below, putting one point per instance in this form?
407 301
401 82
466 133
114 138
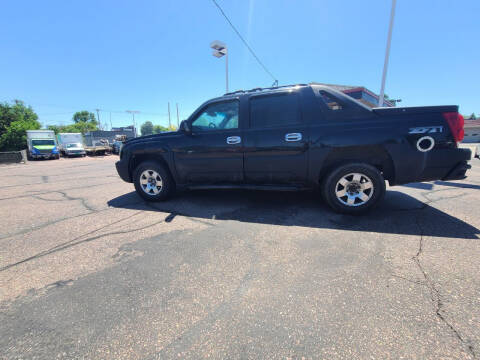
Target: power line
74 109
275 81
101 110
51 114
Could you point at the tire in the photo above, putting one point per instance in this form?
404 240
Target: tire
353 188
143 179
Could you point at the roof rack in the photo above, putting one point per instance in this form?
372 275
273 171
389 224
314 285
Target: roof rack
262 89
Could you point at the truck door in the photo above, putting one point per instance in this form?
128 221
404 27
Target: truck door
276 140
213 153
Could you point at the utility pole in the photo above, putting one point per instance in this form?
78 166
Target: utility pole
178 118
98 118
169 122
133 112
226 69
387 53
111 126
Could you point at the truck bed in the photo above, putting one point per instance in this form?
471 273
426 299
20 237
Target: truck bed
385 111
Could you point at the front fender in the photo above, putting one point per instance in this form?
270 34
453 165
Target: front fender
151 151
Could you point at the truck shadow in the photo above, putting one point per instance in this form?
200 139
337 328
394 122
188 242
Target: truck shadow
399 213
432 185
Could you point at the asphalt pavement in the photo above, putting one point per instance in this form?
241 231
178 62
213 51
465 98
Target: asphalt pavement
90 271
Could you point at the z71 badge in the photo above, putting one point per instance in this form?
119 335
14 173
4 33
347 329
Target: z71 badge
426 130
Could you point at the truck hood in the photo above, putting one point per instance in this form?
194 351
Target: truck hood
146 138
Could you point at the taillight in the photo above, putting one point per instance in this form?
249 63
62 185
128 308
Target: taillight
455 122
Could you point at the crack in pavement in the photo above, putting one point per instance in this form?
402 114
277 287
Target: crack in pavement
52 191
45 180
73 242
53 222
435 293
82 200
48 223
69 198
428 282
55 175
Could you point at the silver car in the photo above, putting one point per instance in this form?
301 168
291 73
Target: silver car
74 149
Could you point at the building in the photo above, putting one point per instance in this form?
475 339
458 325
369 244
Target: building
359 93
472 131
123 128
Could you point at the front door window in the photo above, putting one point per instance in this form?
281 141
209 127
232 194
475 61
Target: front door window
218 116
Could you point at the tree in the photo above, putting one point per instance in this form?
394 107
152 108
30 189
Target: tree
18 111
56 128
83 121
80 127
84 116
15 120
157 129
473 117
146 128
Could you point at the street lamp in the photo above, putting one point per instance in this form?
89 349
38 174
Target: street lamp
220 50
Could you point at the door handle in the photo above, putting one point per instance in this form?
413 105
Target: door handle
293 137
234 140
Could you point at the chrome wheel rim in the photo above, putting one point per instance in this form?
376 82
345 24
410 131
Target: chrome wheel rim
151 182
354 189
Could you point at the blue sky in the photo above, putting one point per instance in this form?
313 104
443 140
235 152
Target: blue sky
63 56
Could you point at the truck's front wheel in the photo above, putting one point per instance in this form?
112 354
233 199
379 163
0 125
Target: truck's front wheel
353 188
152 181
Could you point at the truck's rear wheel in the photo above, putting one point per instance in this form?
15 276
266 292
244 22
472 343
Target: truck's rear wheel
353 188
152 181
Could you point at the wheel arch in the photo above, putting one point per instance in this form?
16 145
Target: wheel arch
374 155
137 159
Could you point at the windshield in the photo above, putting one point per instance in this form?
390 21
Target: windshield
43 142
74 145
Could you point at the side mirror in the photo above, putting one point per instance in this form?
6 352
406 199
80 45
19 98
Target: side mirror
185 127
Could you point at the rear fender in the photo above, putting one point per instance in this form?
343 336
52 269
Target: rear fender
374 155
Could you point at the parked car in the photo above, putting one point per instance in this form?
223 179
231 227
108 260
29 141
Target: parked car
116 146
71 144
299 137
74 149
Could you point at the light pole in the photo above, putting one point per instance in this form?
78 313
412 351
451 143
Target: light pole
178 119
387 53
169 122
98 118
133 112
220 50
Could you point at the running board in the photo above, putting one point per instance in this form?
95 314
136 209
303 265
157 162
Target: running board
249 187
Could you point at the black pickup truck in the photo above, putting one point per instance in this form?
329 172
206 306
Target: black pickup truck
299 137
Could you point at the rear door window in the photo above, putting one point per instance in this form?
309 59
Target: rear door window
331 102
274 110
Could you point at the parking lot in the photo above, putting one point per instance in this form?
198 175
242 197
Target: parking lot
89 270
